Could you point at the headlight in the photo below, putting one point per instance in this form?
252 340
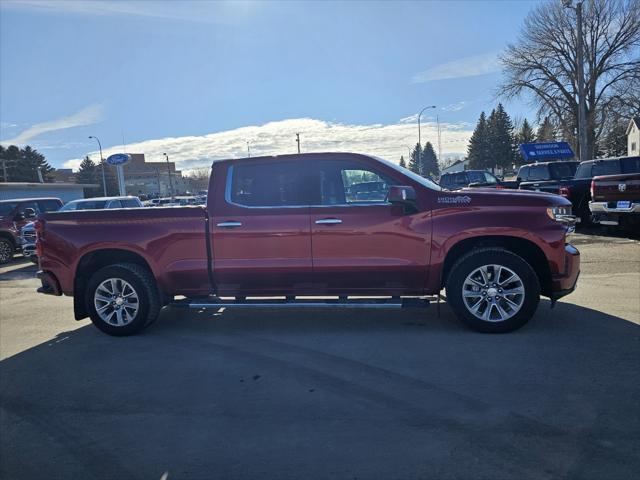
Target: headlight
559 213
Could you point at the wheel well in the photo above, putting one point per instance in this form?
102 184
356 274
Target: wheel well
526 249
94 261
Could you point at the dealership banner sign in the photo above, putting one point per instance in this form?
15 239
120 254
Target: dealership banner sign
546 151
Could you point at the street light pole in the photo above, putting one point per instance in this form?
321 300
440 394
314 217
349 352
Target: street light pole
419 137
170 181
298 140
582 107
248 150
104 178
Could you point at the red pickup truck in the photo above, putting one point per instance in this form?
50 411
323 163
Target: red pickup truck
301 225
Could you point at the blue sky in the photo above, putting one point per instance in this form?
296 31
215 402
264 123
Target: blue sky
199 79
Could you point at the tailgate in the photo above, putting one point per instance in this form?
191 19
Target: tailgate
613 188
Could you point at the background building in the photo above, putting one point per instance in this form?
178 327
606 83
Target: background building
633 137
144 178
64 191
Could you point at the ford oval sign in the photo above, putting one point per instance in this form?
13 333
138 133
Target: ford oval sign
118 159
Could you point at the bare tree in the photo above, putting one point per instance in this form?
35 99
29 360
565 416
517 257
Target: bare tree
543 63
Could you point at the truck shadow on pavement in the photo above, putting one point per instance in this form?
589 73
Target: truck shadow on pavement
330 393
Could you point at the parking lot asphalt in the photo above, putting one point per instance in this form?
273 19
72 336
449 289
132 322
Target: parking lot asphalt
327 394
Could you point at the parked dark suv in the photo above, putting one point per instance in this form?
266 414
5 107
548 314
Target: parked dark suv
14 214
470 178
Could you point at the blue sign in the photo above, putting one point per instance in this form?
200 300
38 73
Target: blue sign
546 151
118 159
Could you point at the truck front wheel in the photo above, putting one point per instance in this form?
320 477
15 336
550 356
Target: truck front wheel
493 290
122 299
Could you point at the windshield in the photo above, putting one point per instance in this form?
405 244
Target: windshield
7 207
413 176
563 170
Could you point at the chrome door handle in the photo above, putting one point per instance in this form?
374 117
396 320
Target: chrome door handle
328 221
230 224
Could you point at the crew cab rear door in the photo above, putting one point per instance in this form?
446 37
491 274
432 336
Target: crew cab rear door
261 238
360 242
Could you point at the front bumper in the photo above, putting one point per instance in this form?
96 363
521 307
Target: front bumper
565 283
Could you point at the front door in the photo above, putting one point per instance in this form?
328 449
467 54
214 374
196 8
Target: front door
261 236
361 243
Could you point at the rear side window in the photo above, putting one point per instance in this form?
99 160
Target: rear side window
115 204
490 178
630 165
282 184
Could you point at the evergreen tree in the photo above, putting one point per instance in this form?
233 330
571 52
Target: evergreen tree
500 128
415 164
615 141
478 151
88 173
402 162
22 164
546 131
429 162
524 135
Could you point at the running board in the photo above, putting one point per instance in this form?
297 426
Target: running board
390 303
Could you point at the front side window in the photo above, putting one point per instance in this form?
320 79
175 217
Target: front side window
562 171
282 184
476 177
584 170
7 207
130 203
115 204
348 183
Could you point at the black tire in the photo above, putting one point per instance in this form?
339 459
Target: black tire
145 287
493 256
6 250
586 220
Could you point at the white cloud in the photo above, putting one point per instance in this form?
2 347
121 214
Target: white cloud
185 10
463 67
455 107
388 141
87 116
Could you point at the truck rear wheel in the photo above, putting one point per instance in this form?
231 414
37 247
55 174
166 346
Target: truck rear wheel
122 299
493 290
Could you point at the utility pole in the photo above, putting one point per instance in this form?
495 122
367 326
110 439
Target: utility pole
248 150
104 178
582 107
4 170
439 140
419 138
159 184
298 140
170 181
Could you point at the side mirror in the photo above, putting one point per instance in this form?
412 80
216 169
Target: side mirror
29 213
405 196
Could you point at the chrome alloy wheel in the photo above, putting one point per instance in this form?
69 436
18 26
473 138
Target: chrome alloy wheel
493 293
116 302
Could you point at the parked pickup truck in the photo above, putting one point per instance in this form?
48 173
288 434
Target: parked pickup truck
575 187
295 225
14 214
616 200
